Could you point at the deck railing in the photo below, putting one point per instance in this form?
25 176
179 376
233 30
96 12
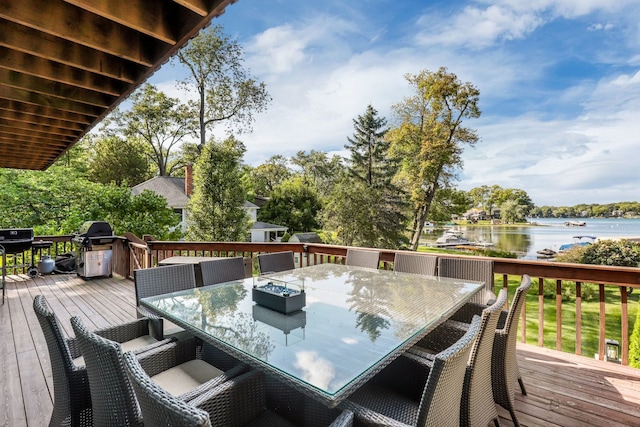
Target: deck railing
133 253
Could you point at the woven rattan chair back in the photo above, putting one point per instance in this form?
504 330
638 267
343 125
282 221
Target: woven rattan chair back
477 407
275 262
504 364
470 269
222 270
362 258
112 396
158 407
71 398
414 263
163 280
440 403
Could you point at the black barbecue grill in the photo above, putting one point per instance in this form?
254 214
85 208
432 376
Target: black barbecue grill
93 245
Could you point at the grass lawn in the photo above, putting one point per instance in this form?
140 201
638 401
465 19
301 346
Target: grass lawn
590 317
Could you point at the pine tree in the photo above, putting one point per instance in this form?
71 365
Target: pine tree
371 165
216 209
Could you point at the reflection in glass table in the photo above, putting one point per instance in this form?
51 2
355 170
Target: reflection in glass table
355 321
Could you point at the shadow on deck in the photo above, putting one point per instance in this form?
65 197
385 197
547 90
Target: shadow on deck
562 389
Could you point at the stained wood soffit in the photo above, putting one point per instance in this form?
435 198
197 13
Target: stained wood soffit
64 64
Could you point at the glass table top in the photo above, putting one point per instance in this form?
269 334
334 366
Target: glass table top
352 321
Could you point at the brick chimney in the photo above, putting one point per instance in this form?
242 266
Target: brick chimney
188 179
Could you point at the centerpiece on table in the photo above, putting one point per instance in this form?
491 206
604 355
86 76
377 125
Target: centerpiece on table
278 295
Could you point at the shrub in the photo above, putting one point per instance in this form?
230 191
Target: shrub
588 290
622 253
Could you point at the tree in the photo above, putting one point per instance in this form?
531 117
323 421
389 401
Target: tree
119 160
293 203
226 92
319 170
161 122
370 164
216 209
348 211
430 136
269 175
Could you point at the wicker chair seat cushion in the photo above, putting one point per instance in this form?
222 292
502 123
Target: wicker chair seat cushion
186 376
387 402
131 345
170 329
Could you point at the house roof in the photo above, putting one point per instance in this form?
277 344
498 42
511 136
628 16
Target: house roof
306 238
169 187
67 63
259 225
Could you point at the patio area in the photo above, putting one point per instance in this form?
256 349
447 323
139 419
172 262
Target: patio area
563 389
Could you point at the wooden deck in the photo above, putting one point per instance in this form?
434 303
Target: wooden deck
563 389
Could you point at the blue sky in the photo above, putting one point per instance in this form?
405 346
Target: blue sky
559 83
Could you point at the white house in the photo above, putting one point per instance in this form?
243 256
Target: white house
178 190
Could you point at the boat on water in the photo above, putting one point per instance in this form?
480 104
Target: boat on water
575 223
546 253
577 241
452 238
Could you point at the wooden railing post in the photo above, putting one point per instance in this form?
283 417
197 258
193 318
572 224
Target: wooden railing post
603 322
540 312
624 319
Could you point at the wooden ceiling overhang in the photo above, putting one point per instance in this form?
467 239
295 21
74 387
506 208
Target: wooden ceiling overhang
64 64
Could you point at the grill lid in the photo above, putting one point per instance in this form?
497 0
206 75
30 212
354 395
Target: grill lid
95 229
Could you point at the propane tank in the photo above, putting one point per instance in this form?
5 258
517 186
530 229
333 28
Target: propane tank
46 265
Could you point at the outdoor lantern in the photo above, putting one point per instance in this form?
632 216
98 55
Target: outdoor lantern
612 350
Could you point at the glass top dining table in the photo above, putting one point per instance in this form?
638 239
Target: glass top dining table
353 323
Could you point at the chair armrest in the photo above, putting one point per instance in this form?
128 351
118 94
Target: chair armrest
234 402
167 356
421 355
74 349
126 331
345 419
368 417
156 326
214 382
502 320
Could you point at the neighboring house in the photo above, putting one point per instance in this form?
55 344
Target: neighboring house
178 190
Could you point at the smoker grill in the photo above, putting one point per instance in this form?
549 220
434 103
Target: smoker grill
93 246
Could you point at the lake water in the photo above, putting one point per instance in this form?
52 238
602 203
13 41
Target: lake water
549 233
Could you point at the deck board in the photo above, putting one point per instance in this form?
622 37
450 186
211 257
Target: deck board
563 389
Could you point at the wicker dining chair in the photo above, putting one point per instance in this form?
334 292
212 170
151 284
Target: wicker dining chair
134 335
362 258
179 365
71 396
376 403
222 270
477 407
504 366
239 401
414 263
275 262
154 281
470 269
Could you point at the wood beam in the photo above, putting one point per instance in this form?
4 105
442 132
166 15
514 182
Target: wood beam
150 17
21 117
43 45
45 112
71 23
7 126
43 68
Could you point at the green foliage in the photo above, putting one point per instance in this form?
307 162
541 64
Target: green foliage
59 200
266 177
285 237
118 160
216 211
589 291
319 170
293 203
634 344
160 121
622 253
226 91
430 137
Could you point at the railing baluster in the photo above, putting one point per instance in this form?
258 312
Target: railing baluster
559 315
602 320
578 318
624 319
541 312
